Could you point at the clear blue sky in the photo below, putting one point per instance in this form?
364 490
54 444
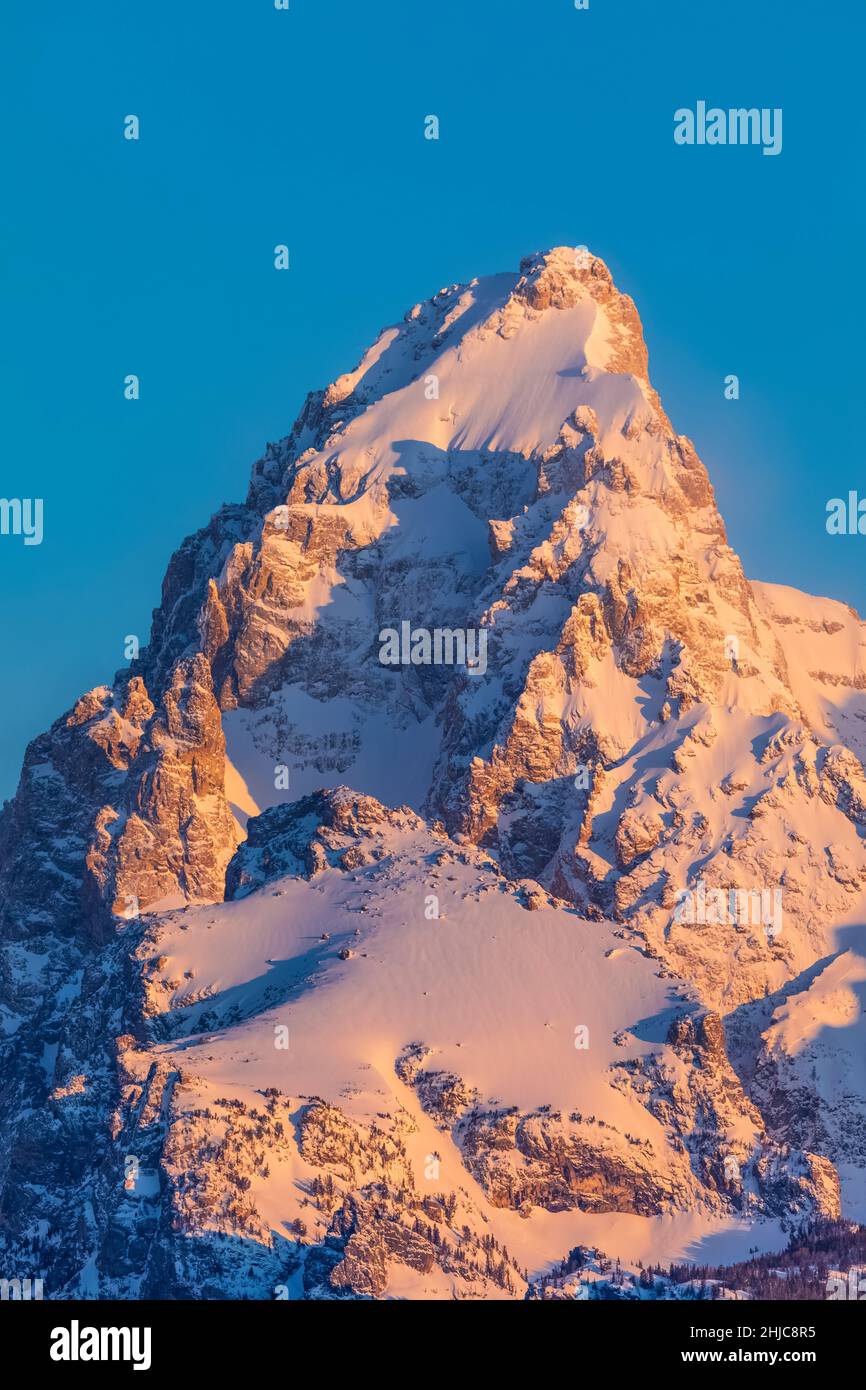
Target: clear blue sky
306 127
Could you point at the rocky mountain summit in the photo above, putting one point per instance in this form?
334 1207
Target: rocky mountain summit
469 869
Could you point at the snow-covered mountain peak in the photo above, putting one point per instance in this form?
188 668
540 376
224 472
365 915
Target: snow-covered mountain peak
476 642
497 364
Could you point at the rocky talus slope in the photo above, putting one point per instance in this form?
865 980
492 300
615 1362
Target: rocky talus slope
325 976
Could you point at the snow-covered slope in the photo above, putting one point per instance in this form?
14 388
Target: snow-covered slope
639 812
824 642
